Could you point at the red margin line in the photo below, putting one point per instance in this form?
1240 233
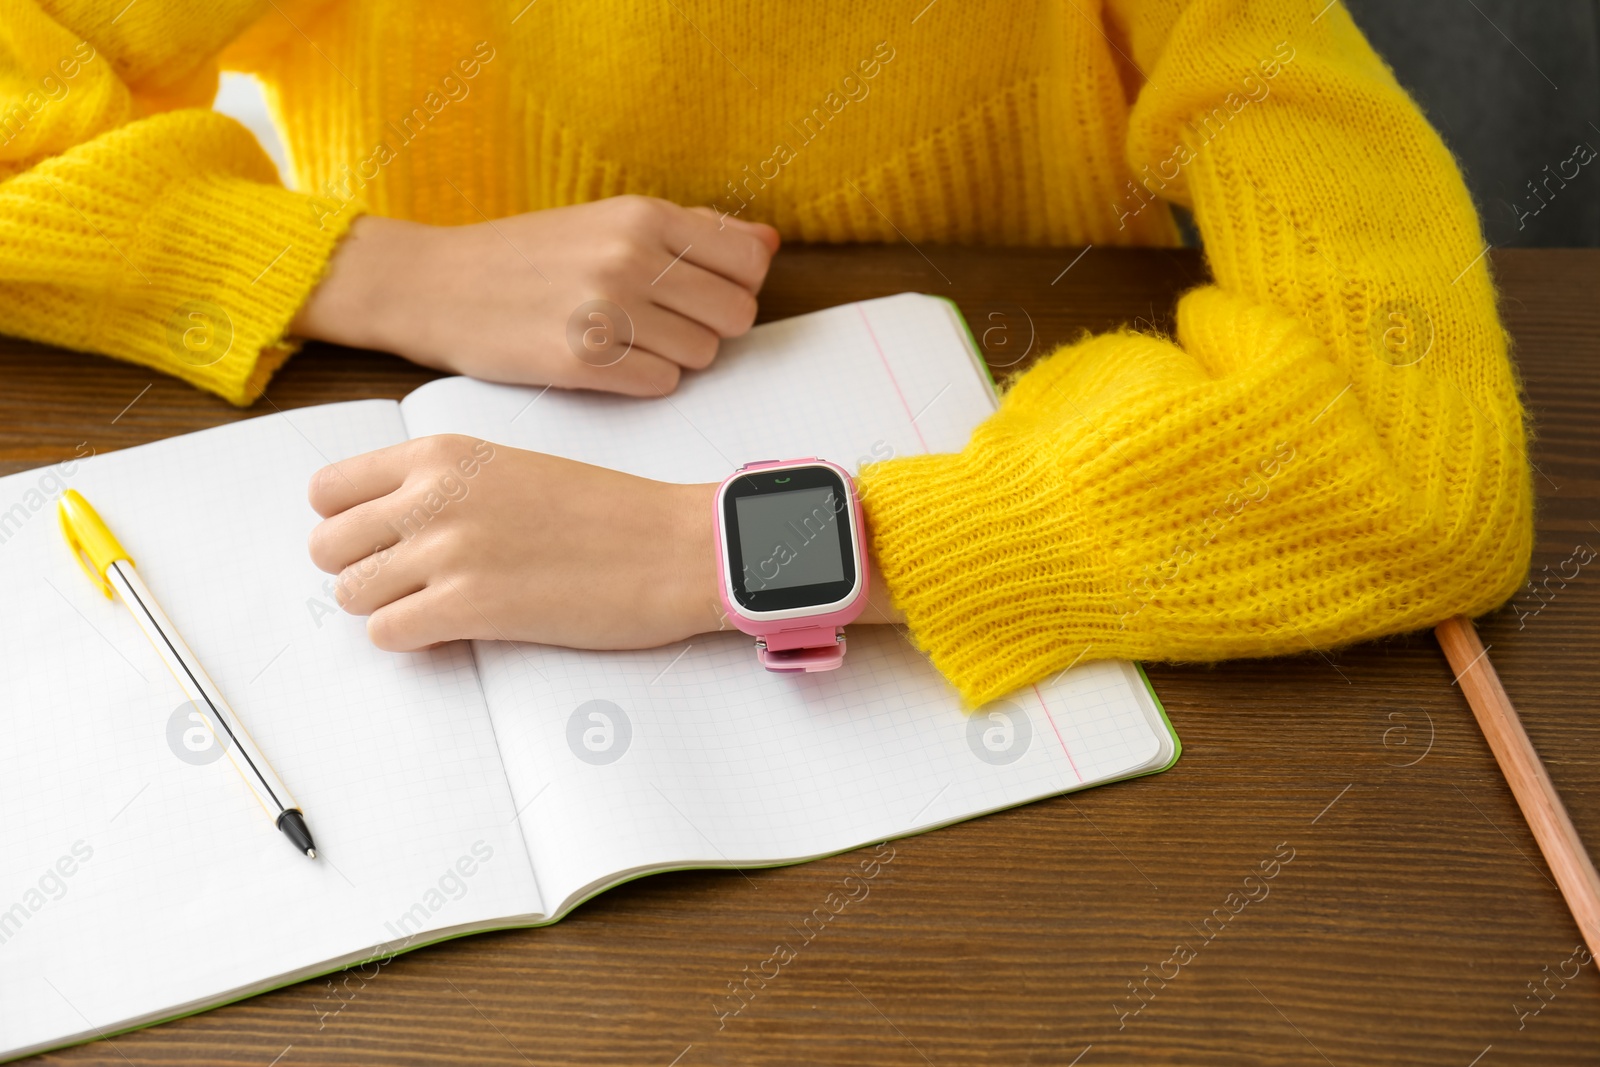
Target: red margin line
1046 709
892 379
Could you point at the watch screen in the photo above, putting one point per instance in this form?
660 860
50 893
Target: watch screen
789 538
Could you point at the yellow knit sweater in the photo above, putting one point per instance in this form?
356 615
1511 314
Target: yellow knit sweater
1332 448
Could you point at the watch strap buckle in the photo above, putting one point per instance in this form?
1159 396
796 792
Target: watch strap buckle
808 650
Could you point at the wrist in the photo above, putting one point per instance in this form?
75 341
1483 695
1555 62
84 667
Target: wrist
693 561
363 299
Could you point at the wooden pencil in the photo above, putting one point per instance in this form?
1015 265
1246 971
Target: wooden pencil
1530 783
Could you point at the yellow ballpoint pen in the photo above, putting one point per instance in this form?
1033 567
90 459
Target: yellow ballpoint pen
109 565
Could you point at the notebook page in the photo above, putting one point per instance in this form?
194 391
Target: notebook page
694 756
726 767
136 877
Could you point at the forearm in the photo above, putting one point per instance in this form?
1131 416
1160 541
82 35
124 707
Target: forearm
1332 450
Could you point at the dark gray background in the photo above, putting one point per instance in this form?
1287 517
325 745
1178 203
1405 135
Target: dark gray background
1513 86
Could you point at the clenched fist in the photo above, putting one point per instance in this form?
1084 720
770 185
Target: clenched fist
620 294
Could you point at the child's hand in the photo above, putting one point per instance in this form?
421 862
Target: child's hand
450 537
515 300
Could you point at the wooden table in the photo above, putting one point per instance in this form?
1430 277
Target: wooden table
1407 929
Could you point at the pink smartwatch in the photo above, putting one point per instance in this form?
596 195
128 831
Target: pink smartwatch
791 569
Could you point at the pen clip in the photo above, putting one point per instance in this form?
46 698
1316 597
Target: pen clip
93 544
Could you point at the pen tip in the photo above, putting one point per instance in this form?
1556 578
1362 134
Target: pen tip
311 853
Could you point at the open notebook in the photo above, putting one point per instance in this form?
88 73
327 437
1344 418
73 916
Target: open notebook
479 786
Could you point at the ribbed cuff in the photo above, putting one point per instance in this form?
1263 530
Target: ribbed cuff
221 267
989 558
1116 506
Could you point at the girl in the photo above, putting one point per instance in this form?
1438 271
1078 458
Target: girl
1331 448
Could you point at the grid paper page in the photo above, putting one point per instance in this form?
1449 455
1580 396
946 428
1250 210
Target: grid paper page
180 889
623 761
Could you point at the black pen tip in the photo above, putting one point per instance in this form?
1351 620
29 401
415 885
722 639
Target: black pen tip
293 825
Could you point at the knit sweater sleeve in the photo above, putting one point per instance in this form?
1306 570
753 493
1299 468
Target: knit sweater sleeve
1331 449
134 221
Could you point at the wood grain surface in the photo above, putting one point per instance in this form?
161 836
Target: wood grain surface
1413 924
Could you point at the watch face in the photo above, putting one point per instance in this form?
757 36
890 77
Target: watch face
789 538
